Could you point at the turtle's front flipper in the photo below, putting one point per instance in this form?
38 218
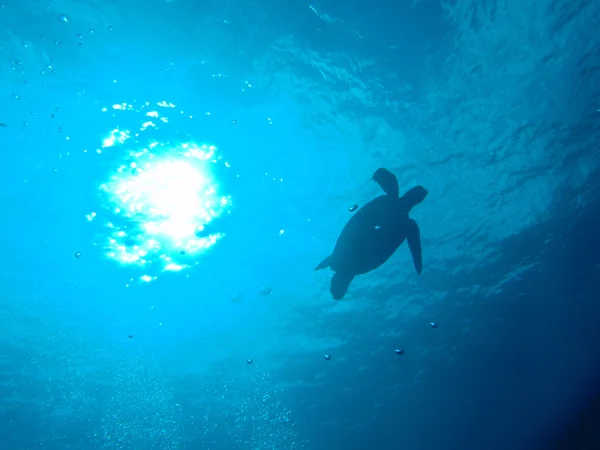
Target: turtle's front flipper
388 182
339 284
413 236
324 264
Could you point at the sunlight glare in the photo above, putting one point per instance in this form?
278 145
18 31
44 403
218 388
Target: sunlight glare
159 197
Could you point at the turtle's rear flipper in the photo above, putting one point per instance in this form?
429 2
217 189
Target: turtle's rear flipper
324 264
339 284
413 236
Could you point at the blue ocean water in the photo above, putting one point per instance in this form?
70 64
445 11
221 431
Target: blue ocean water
173 171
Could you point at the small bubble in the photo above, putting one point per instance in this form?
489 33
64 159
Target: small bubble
353 208
60 44
57 109
59 129
327 357
77 255
234 121
249 361
131 336
399 351
266 290
64 19
110 28
182 252
81 44
79 35
433 324
91 31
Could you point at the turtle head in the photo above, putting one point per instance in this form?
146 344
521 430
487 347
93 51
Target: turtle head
413 197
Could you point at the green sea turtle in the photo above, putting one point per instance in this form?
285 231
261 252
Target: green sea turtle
374 233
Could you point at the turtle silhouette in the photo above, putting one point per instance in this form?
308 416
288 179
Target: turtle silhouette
374 233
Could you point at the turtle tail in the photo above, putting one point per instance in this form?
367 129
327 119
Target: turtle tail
339 284
324 264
